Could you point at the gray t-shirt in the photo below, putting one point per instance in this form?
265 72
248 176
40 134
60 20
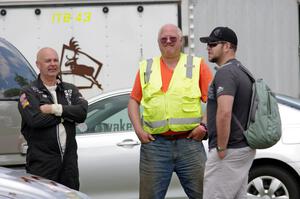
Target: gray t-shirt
229 80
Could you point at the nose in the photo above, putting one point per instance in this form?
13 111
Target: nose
169 40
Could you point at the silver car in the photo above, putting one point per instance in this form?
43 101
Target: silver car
16 184
15 72
109 154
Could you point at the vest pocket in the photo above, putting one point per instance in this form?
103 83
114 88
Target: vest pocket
190 107
149 112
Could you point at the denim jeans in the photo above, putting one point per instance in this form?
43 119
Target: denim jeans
160 158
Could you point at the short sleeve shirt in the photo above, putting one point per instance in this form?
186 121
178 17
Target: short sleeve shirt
230 80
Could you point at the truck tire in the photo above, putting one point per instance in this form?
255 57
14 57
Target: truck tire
272 182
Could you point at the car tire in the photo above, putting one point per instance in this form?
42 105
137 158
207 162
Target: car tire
272 182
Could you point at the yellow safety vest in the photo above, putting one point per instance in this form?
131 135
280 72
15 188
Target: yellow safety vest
179 109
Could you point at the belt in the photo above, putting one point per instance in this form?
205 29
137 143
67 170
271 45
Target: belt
174 137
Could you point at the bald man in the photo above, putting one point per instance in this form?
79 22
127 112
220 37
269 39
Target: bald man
49 109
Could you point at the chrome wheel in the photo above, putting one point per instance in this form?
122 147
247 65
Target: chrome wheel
267 187
272 182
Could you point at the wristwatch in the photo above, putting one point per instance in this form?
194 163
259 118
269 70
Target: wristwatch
219 149
205 127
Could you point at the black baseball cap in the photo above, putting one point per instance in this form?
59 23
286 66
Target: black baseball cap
221 34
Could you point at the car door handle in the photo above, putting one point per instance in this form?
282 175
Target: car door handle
128 143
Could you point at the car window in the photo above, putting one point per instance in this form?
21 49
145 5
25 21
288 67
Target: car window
15 71
107 116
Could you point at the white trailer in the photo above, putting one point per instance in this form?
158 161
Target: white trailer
117 34
100 42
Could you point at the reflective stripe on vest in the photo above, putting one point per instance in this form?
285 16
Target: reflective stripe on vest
173 121
148 70
189 66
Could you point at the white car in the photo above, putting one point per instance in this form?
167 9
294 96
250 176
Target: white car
16 184
275 171
108 152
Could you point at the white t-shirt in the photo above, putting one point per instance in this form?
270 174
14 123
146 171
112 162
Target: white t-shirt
62 131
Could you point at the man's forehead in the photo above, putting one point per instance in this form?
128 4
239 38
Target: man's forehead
46 52
169 31
48 55
172 33
51 56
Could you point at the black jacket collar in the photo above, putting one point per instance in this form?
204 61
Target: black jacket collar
40 85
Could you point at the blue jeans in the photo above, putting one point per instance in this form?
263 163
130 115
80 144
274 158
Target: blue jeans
160 158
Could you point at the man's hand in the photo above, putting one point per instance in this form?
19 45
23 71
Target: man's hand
198 133
222 154
145 137
46 108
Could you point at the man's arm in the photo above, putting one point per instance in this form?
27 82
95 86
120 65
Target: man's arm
134 115
223 122
200 132
77 111
204 80
29 108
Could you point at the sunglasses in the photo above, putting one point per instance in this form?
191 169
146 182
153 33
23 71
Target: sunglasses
164 40
214 44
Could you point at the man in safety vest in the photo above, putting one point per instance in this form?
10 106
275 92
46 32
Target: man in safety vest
170 89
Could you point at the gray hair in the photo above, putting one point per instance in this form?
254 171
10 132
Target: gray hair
179 32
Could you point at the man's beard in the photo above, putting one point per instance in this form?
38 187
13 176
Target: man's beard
213 60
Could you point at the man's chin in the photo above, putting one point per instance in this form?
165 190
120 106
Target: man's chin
212 60
54 75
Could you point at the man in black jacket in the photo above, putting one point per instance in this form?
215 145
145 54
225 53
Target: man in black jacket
49 109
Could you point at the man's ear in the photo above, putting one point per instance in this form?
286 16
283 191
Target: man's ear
227 46
37 64
184 41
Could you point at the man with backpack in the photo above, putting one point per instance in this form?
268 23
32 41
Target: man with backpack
229 96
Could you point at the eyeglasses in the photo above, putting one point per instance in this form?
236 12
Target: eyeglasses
214 44
164 40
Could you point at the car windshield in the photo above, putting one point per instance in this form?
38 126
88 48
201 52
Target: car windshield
15 71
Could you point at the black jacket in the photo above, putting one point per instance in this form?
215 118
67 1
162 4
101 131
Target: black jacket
41 130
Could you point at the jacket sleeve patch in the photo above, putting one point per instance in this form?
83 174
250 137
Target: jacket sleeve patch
24 101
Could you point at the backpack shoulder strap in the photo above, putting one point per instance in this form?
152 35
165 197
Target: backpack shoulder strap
251 114
245 70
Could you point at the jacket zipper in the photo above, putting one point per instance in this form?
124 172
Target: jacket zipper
57 130
59 144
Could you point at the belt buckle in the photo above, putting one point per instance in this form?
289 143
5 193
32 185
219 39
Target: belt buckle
172 137
176 136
